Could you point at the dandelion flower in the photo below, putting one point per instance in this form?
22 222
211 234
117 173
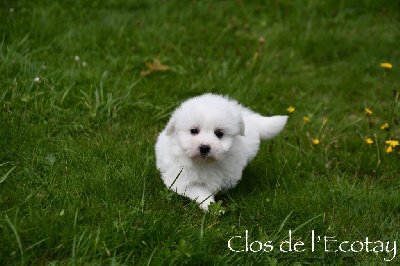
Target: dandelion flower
37 79
77 58
392 143
386 65
291 109
306 119
368 111
369 141
84 64
385 126
315 141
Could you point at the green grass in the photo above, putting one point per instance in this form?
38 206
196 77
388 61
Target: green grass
78 181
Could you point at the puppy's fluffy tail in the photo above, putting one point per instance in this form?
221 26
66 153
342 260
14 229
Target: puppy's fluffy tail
268 127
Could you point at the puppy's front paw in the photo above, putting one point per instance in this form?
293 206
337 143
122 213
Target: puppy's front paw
201 194
205 205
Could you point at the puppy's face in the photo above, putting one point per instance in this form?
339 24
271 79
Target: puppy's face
204 141
206 130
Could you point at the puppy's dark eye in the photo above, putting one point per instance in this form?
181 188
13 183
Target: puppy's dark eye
194 131
219 133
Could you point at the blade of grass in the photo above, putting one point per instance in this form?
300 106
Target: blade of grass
4 177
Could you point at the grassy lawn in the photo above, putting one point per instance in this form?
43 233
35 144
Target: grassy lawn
81 108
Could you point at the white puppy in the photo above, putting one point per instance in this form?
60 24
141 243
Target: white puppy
207 143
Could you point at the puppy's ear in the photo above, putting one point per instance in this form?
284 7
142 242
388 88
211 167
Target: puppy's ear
170 128
242 128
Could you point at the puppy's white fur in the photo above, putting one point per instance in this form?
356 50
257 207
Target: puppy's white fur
197 172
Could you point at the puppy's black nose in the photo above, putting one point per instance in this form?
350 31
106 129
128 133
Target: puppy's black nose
204 149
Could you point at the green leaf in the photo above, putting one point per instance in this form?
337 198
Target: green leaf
4 177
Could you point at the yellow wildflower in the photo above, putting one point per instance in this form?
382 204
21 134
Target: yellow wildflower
369 141
291 109
315 141
386 65
368 111
389 149
306 119
385 126
392 143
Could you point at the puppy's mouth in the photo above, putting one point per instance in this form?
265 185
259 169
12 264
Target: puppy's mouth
204 158
198 156
203 154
